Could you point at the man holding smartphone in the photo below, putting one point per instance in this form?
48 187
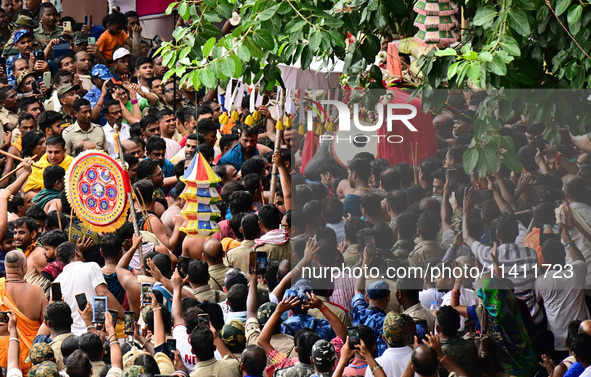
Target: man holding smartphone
48 28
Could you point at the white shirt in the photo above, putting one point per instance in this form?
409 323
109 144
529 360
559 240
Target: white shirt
393 361
172 148
467 298
564 299
339 229
582 243
110 132
79 277
183 345
427 296
586 372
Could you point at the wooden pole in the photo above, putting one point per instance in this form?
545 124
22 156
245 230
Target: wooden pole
59 218
272 197
136 228
70 229
17 158
14 171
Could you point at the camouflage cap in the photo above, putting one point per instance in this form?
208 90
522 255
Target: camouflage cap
80 38
393 328
233 335
24 21
66 88
134 371
323 353
263 294
44 369
40 352
22 76
378 289
265 311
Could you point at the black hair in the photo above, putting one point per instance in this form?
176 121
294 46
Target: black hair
581 347
390 179
361 167
78 364
372 204
59 316
269 216
448 320
207 151
406 224
164 112
527 157
25 103
52 174
427 363
305 342
252 165
52 222
428 225
66 252
201 340
254 360
111 245
36 213
146 168
155 143
49 118
227 140
553 251
332 210
165 318
91 344
117 18
141 60
27 222
240 201
507 228
250 226
248 131
79 102
352 227
198 272
148 120
237 297
144 188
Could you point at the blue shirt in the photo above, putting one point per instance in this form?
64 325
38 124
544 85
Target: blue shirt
575 370
352 205
373 317
168 169
235 157
93 96
9 73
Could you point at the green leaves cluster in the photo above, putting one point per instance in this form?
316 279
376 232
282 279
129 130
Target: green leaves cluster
273 32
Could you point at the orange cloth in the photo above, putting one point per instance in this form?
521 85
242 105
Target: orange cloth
229 243
532 240
26 329
108 43
18 143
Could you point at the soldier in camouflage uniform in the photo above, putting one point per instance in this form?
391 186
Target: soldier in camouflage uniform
44 369
462 351
40 352
233 336
323 357
303 368
372 313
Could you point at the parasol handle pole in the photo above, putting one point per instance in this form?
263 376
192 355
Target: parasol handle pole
272 197
136 228
18 158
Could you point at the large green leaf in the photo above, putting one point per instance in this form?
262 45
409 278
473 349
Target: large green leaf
207 77
512 162
562 6
228 66
470 159
208 46
315 39
518 21
307 56
491 161
243 53
484 15
263 39
574 18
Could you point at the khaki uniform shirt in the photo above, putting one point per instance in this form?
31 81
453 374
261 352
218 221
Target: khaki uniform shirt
56 345
226 367
277 252
339 312
281 342
352 256
419 312
97 368
425 251
217 275
239 257
74 135
205 293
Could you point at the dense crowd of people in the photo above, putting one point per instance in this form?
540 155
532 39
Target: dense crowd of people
275 291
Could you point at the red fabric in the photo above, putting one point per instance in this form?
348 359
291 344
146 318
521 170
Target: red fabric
309 149
148 7
393 60
427 141
126 181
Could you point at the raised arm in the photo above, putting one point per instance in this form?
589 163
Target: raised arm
252 301
572 249
467 206
265 337
127 279
309 252
114 346
284 178
446 210
499 197
336 324
13 343
177 308
159 333
505 193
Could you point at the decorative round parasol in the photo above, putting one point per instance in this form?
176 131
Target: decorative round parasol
97 187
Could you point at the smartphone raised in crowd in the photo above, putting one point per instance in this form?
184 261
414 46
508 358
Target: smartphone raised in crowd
452 178
4 317
353 334
146 290
171 347
114 314
99 307
82 301
56 292
129 321
183 266
370 244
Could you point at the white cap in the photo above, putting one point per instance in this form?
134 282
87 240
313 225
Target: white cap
121 52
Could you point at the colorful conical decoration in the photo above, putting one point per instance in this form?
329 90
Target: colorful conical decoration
201 195
436 22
